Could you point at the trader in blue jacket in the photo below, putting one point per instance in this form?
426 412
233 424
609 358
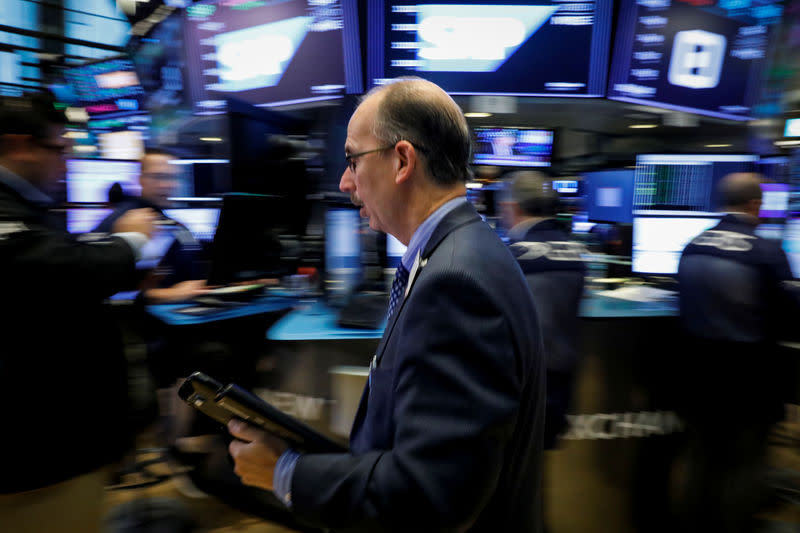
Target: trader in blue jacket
554 269
448 435
738 301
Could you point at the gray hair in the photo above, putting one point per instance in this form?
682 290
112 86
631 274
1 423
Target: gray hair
420 112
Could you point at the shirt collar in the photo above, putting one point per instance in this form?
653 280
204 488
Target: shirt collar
423 233
23 187
519 231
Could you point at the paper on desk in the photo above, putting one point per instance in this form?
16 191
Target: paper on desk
639 293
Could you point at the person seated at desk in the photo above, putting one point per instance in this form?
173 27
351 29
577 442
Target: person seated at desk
178 276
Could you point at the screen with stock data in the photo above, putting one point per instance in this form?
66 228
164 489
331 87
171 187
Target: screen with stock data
272 53
508 47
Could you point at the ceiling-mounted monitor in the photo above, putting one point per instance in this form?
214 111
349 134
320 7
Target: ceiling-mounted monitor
512 147
272 53
698 57
497 48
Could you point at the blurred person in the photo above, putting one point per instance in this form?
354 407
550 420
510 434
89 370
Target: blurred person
178 274
448 435
737 301
62 365
555 272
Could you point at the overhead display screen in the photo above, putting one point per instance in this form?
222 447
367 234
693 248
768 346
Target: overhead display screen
701 57
110 86
271 53
513 147
505 48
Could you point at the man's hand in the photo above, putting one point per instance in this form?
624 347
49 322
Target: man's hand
136 220
185 290
255 452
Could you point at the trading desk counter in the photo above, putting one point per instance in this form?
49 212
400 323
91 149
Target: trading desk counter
316 370
314 320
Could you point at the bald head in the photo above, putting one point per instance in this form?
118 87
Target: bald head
420 112
534 193
741 191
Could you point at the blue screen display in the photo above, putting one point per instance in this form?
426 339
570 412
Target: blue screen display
107 87
609 195
274 53
513 147
511 47
703 59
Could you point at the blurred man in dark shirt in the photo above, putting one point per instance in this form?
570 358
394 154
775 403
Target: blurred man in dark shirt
555 273
179 274
737 299
62 366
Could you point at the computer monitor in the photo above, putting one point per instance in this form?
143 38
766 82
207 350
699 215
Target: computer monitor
85 219
684 182
658 241
107 86
343 268
512 147
609 195
246 245
791 245
88 180
272 53
200 221
498 48
792 127
774 200
704 57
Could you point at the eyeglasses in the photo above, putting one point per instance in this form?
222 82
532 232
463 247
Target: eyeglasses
351 159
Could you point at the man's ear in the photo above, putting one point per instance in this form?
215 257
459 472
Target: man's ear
406 161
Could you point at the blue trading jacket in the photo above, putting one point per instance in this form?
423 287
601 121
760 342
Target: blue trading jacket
555 273
737 286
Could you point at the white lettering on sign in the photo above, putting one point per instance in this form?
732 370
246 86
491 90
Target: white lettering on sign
297 405
730 241
603 426
469 37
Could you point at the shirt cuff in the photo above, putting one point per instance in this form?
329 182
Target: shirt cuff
135 240
282 478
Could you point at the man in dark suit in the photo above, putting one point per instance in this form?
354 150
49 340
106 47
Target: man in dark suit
448 435
62 362
555 272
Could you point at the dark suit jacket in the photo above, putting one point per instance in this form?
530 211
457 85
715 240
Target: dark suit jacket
61 362
448 436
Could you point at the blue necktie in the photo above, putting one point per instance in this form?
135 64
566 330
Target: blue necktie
398 288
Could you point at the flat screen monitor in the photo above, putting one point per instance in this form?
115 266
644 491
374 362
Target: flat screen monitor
774 200
700 57
684 182
609 195
343 268
658 241
566 187
88 180
791 245
107 86
512 147
201 221
499 48
272 53
85 219
792 128
246 245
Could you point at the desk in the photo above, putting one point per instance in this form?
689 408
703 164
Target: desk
169 314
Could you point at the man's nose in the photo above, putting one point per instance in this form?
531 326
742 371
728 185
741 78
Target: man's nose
346 183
